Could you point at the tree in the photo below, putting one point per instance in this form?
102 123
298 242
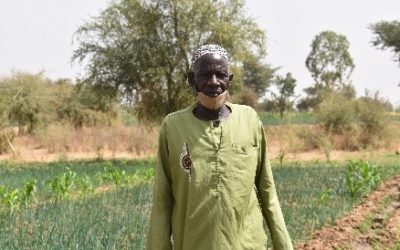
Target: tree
387 36
330 65
79 104
314 96
142 49
82 105
329 61
281 101
28 104
257 75
285 86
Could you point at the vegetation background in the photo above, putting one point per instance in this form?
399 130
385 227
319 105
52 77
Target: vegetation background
136 55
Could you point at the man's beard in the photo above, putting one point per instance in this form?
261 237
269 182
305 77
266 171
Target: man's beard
213 103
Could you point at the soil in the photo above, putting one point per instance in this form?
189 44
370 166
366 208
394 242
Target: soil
373 224
42 155
33 153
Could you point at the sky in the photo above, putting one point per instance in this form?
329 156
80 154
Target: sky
37 36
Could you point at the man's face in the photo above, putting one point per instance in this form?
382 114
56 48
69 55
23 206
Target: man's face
210 75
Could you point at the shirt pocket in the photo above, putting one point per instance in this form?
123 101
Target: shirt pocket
244 149
243 161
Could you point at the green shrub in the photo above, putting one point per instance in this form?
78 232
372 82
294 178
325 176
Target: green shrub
361 123
373 120
337 113
29 107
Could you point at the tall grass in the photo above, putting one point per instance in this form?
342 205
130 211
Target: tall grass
296 132
118 138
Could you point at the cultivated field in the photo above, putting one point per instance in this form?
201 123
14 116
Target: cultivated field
106 204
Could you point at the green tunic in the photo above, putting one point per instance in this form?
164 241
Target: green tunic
219 201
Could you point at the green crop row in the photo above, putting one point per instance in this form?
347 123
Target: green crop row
317 195
67 184
112 220
11 199
14 175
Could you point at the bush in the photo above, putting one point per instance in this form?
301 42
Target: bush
354 123
83 106
270 106
336 113
246 97
348 140
310 137
29 107
316 139
373 121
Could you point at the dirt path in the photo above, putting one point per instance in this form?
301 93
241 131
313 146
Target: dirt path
41 155
374 224
31 154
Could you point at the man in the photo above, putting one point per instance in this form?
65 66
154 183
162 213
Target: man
213 185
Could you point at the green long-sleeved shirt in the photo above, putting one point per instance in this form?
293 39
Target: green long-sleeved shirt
221 199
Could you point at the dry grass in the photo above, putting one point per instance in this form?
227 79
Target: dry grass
302 142
300 138
295 140
103 142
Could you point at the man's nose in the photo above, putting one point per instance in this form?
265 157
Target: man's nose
214 80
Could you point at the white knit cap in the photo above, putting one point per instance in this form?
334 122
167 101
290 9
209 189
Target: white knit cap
210 49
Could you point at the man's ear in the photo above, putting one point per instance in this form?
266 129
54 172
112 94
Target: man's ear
230 78
190 78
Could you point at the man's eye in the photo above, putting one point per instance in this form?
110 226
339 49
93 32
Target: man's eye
222 75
